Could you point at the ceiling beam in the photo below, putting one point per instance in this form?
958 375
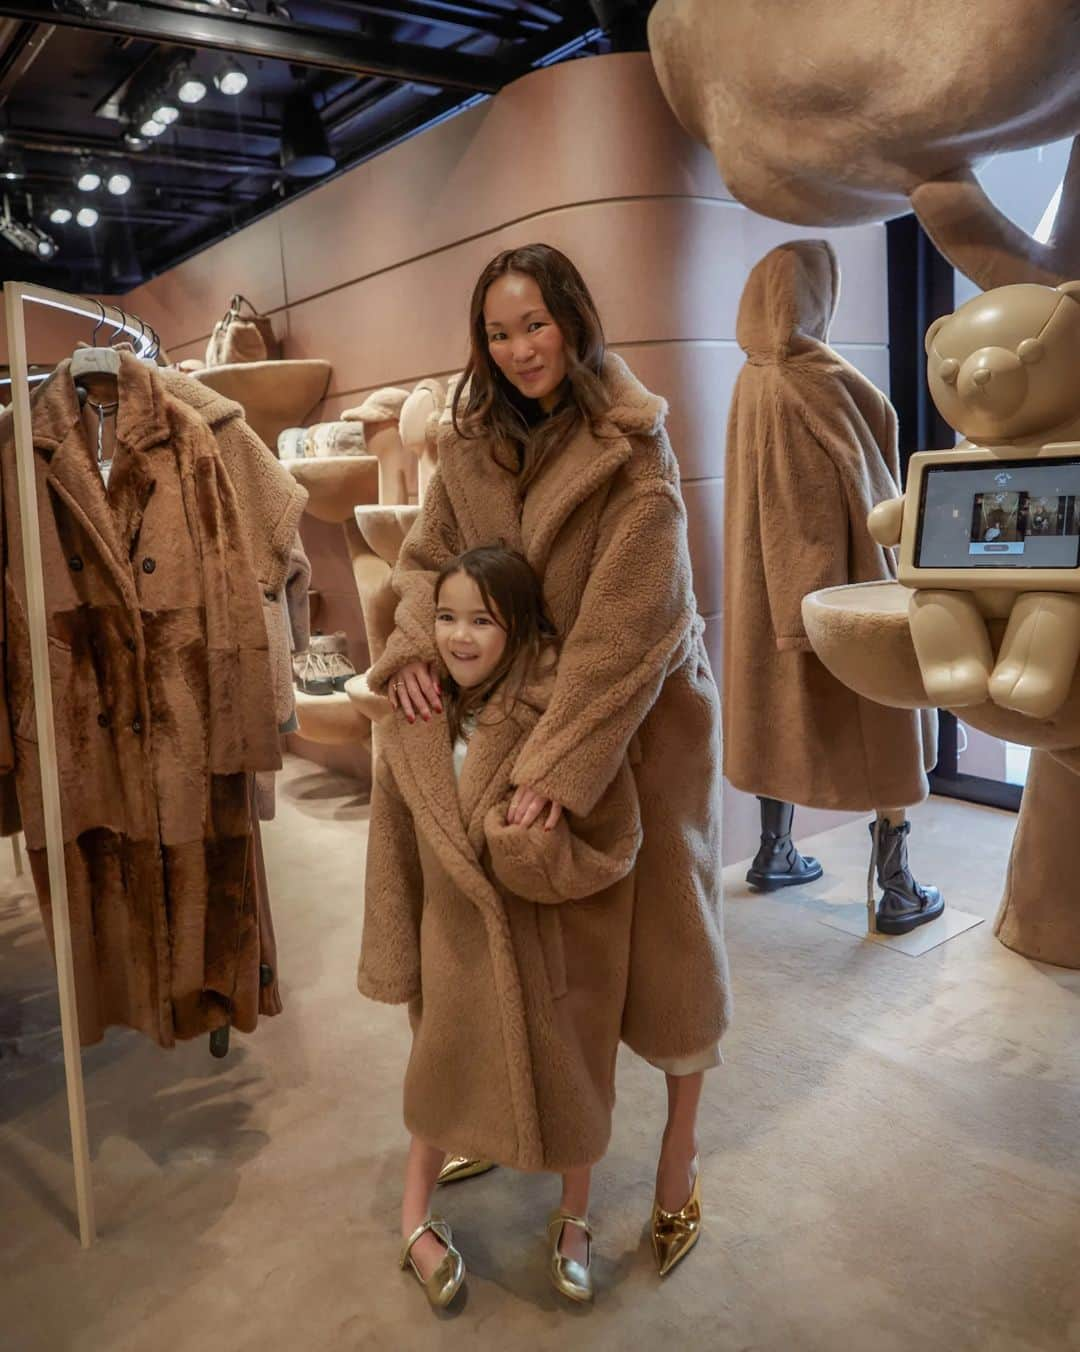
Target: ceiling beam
56 143
22 45
253 34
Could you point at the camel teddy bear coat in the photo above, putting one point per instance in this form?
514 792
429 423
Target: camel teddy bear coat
604 526
811 448
163 703
511 945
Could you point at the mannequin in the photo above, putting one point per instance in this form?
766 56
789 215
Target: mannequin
811 449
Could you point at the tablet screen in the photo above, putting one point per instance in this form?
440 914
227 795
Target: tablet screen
1020 514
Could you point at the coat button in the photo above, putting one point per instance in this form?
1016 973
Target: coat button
75 563
136 725
148 565
103 720
129 644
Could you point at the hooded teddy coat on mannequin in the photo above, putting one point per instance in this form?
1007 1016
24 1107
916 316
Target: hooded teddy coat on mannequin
163 705
604 527
510 944
811 448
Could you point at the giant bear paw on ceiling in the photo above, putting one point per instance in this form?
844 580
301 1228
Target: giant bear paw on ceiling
835 112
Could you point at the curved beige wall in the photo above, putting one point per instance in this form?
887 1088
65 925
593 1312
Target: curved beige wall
374 271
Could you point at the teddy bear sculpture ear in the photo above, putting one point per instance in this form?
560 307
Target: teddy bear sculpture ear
1071 289
1030 351
949 370
932 331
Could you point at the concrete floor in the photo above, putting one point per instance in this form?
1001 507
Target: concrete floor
891 1154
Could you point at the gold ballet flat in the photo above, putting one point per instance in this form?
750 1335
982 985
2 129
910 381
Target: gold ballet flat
445 1282
569 1277
458 1167
674 1233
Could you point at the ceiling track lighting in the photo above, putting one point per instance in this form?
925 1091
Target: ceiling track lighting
87 217
119 182
12 166
88 176
25 236
230 77
60 213
190 88
305 150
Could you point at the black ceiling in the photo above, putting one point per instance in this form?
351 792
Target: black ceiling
74 72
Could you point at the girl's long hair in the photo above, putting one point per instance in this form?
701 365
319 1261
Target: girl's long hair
487 405
512 592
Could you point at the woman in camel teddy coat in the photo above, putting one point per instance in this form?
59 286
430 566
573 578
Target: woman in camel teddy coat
602 521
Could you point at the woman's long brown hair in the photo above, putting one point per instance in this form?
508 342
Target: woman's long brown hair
487 405
512 592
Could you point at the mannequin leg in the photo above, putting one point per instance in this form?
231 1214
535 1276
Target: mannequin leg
952 646
421 1171
904 903
1038 654
778 863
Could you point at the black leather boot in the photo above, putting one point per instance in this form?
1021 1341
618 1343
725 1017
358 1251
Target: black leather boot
904 903
778 863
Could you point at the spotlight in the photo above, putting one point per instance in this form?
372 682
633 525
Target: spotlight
231 78
305 151
46 247
88 178
192 89
119 183
87 217
151 127
166 113
12 167
134 141
27 238
60 214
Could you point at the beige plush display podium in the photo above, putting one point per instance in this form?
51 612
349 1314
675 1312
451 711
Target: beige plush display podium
862 634
274 394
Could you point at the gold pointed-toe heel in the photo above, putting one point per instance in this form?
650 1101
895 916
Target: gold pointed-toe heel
674 1233
569 1277
445 1282
459 1167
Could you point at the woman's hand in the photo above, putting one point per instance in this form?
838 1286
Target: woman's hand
415 690
526 805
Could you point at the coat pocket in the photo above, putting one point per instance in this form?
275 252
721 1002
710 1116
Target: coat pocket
549 924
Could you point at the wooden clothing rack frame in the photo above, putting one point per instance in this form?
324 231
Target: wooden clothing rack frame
16 296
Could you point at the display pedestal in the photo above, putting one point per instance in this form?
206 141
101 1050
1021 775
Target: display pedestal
274 394
862 636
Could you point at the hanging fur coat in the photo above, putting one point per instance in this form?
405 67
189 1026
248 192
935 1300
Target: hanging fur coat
163 705
510 944
604 527
811 448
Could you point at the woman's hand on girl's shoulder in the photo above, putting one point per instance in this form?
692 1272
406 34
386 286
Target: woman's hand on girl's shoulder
527 805
415 691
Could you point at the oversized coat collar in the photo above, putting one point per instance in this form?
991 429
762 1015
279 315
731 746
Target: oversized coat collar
484 489
111 518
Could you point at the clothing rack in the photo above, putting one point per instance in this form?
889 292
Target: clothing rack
16 296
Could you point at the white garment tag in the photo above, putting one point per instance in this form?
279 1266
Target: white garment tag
105 466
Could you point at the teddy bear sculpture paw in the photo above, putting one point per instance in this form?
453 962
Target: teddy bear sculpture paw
1033 693
961 683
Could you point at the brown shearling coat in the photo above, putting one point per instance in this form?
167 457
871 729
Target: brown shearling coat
811 448
163 705
604 526
511 945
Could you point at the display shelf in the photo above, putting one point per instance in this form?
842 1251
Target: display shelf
336 483
384 529
274 394
332 720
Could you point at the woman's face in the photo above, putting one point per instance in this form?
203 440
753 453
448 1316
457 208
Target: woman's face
524 341
470 639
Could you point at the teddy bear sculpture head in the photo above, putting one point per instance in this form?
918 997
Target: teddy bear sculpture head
1006 365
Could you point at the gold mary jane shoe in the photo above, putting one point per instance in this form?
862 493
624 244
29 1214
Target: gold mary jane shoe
445 1282
459 1167
569 1277
674 1233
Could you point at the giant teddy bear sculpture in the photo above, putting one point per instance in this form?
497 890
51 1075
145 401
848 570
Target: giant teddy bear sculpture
990 529
833 114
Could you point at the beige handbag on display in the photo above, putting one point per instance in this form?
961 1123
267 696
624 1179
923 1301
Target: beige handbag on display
239 337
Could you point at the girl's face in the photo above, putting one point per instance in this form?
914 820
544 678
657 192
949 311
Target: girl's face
524 341
470 639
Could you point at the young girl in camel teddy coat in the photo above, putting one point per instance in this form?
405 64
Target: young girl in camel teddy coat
510 943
